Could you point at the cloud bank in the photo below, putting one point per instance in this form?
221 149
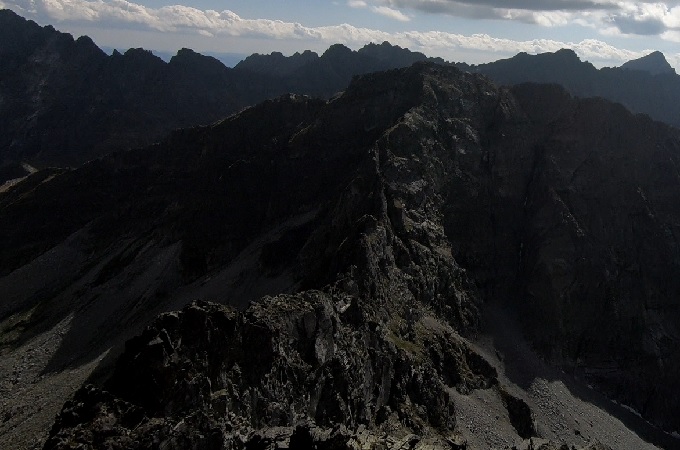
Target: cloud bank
391 13
610 16
640 18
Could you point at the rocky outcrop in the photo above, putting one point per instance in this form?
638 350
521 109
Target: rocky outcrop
292 369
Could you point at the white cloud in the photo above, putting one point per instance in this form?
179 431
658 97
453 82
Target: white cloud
382 10
552 18
673 36
611 16
357 4
517 5
122 14
391 13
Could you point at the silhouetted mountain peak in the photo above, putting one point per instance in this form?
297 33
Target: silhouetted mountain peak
567 54
84 43
373 47
337 50
9 15
188 57
19 37
140 54
564 57
654 63
394 53
276 62
558 67
305 54
186 53
563 54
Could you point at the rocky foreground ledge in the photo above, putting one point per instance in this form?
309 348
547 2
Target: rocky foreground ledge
306 371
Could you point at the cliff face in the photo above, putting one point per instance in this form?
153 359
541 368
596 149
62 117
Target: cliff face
377 225
586 257
599 248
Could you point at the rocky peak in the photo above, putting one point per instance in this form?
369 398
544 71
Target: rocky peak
276 63
654 63
196 62
142 56
20 39
337 51
399 57
566 54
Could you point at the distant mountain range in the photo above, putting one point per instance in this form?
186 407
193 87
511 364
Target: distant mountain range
228 59
646 89
65 101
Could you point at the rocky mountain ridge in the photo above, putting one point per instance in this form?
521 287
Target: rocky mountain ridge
654 93
325 75
65 102
372 231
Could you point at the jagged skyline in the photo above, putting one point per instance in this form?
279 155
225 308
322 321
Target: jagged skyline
604 32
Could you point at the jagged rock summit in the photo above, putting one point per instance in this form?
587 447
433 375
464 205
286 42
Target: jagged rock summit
353 246
65 102
654 63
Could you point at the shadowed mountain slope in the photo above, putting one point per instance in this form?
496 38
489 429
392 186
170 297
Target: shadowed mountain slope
649 91
371 230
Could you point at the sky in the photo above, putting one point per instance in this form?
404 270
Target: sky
604 32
